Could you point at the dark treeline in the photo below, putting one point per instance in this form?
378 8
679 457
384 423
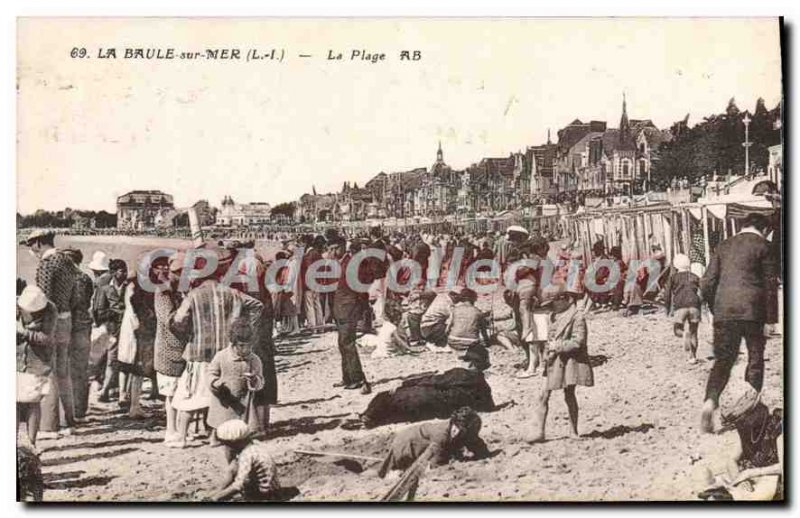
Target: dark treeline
715 144
67 218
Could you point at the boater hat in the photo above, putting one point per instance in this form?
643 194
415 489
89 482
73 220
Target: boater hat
517 228
32 299
99 261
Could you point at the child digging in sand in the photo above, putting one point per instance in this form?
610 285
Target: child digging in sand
251 474
447 438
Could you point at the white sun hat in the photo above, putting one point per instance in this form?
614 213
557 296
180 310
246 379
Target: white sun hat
682 262
517 228
32 299
99 261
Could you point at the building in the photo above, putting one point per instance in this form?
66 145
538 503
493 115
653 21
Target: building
140 210
539 163
233 214
595 159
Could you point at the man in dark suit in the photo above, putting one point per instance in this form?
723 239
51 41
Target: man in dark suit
740 278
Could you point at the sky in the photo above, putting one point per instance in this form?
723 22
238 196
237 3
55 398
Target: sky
90 129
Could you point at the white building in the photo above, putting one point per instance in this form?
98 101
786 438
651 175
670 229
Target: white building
233 214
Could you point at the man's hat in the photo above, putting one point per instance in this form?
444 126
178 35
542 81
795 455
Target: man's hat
99 262
39 234
32 299
517 228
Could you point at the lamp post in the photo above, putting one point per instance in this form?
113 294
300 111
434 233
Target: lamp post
747 143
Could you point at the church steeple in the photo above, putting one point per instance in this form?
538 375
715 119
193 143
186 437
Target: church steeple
624 124
440 154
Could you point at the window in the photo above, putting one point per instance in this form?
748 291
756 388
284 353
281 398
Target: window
626 169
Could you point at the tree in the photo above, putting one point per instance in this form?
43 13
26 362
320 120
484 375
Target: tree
715 144
286 209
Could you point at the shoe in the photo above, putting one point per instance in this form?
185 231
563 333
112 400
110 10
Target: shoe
171 437
366 389
80 420
47 435
353 386
137 416
124 404
103 398
176 444
339 384
66 432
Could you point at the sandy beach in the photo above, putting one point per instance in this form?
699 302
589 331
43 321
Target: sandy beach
639 430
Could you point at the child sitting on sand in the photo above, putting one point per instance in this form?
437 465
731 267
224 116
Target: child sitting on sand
754 470
235 374
682 301
467 325
251 474
504 324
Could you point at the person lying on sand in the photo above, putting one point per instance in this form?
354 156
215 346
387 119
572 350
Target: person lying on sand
446 439
251 473
755 469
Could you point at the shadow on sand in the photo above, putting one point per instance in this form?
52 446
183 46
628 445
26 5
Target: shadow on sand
307 425
307 401
618 431
402 378
598 360
80 483
87 456
104 444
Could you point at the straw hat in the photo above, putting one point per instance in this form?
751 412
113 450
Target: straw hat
234 430
99 261
32 299
735 404
517 228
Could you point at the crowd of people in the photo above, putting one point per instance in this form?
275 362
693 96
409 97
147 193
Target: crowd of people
205 336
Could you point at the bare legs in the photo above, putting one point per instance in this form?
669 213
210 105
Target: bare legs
534 351
172 417
31 414
690 340
572 408
182 430
135 411
124 388
538 434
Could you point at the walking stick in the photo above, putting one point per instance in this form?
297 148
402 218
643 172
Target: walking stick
248 402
